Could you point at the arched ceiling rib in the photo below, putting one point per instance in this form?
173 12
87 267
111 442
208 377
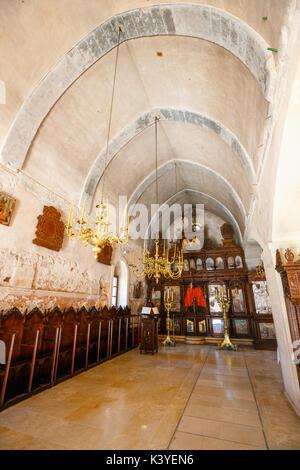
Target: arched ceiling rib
146 120
190 196
198 21
190 167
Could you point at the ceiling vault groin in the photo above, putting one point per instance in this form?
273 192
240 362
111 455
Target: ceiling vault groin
190 165
198 21
203 198
146 120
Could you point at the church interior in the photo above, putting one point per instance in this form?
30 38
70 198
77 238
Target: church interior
149 225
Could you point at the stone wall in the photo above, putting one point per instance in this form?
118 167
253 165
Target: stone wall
31 275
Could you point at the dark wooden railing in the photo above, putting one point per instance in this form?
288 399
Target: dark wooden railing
45 347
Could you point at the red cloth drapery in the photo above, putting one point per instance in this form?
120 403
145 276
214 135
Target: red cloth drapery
194 292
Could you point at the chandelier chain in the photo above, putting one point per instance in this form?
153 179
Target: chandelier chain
156 159
110 111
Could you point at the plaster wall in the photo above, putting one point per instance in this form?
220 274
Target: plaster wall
275 222
35 276
58 25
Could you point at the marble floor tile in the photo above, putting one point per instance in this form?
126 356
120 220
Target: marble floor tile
223 392
224 431
188 397
184 441
222 414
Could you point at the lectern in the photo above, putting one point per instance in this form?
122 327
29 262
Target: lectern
149 330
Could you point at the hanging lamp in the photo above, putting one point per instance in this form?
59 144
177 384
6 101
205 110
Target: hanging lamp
100 236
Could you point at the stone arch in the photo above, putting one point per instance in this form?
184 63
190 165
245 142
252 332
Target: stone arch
146 120
203 22
221 206
191 166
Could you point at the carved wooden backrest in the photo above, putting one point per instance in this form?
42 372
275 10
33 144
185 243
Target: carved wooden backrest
33 321
12 322
83 321
69 322
94 319
105 312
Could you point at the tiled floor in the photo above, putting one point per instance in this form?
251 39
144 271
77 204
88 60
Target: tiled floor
188 397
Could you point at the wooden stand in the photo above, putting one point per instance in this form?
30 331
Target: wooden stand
149 334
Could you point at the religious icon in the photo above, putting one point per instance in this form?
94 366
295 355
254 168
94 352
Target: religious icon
155 298
192 265
241 327
237 300
199 264
230 262
218 326
191 245
137 290
261 298
210 264
267 331
156 294
7 205
194 293
177 326
213 304
190 326
175 297
219 263
186 265
202 326
238 262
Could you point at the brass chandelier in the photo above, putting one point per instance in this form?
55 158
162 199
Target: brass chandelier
100 236
157 265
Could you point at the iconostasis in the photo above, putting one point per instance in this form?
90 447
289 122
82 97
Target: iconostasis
195 310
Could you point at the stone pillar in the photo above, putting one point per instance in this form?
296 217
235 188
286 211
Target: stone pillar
289 371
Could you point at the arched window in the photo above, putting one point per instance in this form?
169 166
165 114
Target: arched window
120 280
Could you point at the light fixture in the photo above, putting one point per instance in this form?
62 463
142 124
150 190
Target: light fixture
157 265
196 226
100 236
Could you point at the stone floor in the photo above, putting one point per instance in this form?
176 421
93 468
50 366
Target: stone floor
189 397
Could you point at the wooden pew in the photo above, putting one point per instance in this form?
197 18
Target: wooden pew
31 344
83 339
12 324
67 344
9 339
95 336
50 346
45 347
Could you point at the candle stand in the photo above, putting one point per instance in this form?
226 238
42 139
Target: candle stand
168 304
224 303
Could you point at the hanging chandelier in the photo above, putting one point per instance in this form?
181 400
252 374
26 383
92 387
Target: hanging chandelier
160 264
100 236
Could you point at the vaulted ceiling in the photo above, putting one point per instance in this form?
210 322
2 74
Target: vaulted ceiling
205 70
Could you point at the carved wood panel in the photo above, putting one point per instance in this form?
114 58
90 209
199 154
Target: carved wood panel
105 255
50 229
